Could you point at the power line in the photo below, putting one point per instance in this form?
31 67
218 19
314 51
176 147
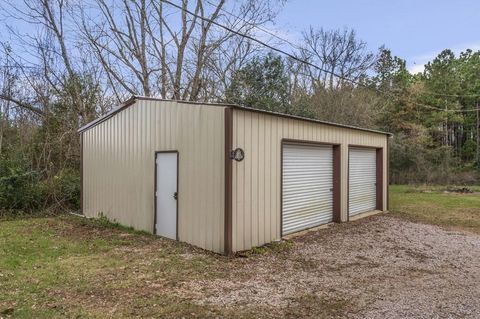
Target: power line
293 57
11 66
272 33
299 48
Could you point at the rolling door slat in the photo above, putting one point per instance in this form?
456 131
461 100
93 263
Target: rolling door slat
362 180
307 181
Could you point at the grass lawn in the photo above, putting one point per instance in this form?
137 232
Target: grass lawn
68 266
434 205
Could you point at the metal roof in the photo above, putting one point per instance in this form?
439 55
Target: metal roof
134 98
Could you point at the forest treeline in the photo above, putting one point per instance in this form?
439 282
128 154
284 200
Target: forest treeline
64 63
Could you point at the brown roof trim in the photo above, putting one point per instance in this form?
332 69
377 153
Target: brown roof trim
301 118
239 107
105 117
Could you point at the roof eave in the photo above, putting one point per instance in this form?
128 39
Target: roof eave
134 98
114 111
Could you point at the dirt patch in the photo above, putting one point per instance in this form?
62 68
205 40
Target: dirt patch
84 229
373 268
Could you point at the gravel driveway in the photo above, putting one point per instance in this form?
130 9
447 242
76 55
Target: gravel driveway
378 267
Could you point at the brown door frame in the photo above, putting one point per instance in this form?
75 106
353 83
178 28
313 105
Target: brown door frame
336 176
155 191
378 176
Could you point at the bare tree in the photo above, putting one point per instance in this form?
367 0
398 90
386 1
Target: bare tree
337 51
52 56
152 48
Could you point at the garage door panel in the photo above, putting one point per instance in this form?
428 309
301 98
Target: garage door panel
298 224
307 198
362 180
305 192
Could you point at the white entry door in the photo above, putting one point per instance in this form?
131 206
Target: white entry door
166 194
307 182
362 178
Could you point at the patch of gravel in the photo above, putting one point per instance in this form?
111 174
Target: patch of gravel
381 266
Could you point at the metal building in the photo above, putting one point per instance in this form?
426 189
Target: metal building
227 178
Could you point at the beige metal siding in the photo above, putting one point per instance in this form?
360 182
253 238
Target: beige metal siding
119 159
256 180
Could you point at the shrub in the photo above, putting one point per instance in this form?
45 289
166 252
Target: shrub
23 190
64 189
413 160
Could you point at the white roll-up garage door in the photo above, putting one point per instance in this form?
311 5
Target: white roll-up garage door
362 189
307 198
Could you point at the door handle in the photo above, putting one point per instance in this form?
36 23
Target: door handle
175 195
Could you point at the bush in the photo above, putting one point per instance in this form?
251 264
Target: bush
23 190
19 187
64 189
414 161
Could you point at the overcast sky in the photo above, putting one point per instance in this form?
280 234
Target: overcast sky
416 30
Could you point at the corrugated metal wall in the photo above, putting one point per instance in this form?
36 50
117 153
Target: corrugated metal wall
118 166
256 179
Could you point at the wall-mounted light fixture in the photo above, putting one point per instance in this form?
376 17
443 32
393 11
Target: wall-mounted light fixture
237 154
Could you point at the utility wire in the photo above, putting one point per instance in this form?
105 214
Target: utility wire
272 33
299 48
295 58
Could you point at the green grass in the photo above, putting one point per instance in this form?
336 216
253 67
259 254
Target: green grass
73 267
434 205
67 266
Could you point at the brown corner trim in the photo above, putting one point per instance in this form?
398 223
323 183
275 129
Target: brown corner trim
81 174
228 181
379 179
